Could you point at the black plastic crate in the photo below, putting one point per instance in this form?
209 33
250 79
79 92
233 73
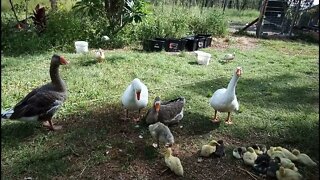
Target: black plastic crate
191 43
173 45
208 40
201 41
153 45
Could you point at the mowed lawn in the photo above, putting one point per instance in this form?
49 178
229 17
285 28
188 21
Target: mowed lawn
278 94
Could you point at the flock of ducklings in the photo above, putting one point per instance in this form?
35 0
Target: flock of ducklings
276 162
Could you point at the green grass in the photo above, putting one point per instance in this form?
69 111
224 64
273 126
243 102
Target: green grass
278 94
242 17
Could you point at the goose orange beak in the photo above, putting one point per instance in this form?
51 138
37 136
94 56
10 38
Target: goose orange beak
138 95
63 60
239 72
157 106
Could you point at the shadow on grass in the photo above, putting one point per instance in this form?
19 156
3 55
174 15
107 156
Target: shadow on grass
193 63
273 91
89 138
197 124
115 58
15 132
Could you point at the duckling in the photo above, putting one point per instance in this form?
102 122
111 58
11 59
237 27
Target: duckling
172 162
100 55
161 133
287 163
303 158
250 156
259 148
288 154
287 174
274 165
270 150
261 164
208 149
275 151
238 152
219 149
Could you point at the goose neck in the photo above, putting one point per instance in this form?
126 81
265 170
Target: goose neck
55 77
232 84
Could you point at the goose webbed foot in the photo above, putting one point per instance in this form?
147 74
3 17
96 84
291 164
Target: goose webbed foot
48 124
215 120
229 122
215 117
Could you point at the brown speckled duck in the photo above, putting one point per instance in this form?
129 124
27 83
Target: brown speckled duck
42 103
169 112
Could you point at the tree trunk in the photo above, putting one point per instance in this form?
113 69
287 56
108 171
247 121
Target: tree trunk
14 12
259 23
244 4
224 5
237 4
54 5
295 16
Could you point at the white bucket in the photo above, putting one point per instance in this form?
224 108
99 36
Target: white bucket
81 46
203 58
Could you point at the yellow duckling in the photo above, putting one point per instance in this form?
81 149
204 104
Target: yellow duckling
288 174
275 152
270 150
303 158
250 156
173 162
288 154
259 148
238 152
287 163
208 149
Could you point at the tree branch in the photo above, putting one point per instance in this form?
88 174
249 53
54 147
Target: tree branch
14 12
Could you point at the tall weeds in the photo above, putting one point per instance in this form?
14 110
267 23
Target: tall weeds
64 28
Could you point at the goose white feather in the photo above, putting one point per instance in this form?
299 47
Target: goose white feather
135 96
225 99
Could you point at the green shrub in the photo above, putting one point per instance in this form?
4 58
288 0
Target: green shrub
64 28
212 22
180 22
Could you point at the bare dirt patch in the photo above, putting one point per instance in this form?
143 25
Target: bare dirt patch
243 43
125 155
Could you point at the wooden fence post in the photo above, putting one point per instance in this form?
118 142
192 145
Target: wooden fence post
261 16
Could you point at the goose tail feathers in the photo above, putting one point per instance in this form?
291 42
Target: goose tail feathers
181 99
6 114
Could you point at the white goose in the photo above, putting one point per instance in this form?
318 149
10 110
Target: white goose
225 100
135 97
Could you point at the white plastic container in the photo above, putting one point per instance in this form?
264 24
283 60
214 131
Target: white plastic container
81 46
203 58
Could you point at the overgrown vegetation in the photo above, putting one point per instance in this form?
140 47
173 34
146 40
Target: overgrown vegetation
65 26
